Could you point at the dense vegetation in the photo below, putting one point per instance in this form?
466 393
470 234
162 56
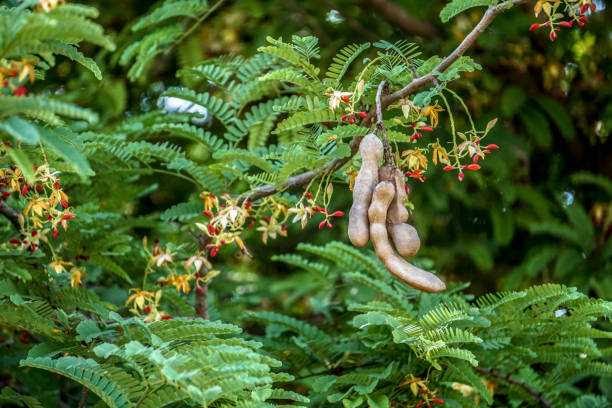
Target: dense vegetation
175 182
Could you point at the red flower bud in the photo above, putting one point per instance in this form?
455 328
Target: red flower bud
345 98
553 35
211 229
55 233
363 114
322 224
534 27
25 190
6 194
566 24
20 91
64 204
437 401
214 251
351 120
308 195
147 309
472 167
166 317
68 216
460 176
582 20
448 168
584 8
337 213
475 158
318 209
416 136
248 205
207 213
15 241
57 185
491 147
34 233
426 128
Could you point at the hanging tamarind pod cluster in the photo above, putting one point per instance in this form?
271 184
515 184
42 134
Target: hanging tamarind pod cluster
378 213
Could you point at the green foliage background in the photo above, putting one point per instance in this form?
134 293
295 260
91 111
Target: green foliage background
310 320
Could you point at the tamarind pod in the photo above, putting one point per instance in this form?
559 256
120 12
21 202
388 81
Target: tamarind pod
410 274
397 211
371 150
405 239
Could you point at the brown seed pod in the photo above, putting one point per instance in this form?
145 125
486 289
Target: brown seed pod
405 238
371 149
377 214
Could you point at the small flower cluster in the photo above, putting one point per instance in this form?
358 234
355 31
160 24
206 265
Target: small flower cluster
576 10
226 221
427 397
338 98
48 5
476 152
14 75
77 273
161 260
425 119
47 206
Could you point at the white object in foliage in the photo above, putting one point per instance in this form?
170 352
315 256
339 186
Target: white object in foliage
172 104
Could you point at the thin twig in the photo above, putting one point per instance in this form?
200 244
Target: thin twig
10 214
537 395
194 26
414 85
398 17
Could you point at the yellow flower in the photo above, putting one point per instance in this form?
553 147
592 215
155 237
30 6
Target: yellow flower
431 112
180 282
48 5
36 206
210 200
270 229
439 154
546 6
76 276
139 298
302 214
337 97
59 266
416 159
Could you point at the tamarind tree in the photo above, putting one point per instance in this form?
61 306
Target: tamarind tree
153 202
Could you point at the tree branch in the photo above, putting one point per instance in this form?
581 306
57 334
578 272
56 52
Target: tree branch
537 395
11 214
398 17
414 85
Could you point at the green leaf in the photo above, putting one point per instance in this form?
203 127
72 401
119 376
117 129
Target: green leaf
458 6
23 162
55 139
20 129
